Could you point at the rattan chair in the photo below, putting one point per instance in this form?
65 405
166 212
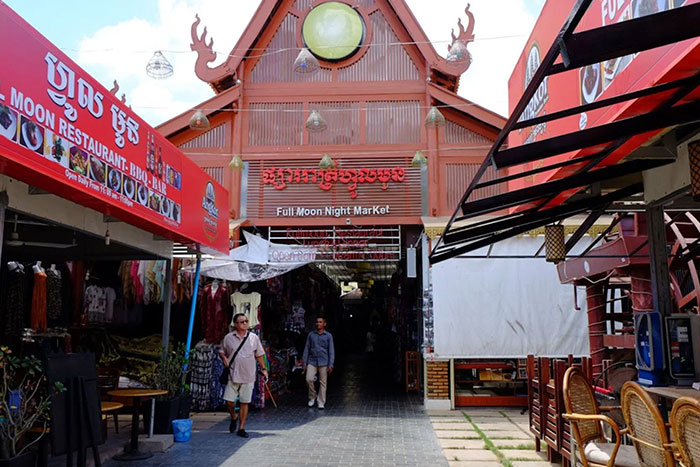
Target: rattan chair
583 412
645 427
685 419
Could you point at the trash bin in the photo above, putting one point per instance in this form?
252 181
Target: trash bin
182 430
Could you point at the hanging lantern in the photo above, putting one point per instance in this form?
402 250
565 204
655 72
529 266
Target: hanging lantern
458 54
236 163
419 160
306 62
555 245
434 119
327 162
694 163
316 123
159 67
199 121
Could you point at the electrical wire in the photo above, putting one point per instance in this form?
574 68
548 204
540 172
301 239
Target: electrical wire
329 110
283 49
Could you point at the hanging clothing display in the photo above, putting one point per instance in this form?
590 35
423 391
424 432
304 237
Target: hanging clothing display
14 305
214 312
202 358
54 303
95 304
216 389
247 304
38 319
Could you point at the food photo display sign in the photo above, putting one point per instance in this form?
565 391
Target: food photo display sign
592 83
64 132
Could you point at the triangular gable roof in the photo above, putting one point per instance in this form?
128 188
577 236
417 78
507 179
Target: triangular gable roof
220 77
467 107
209 107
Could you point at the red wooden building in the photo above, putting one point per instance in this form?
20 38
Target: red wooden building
374 101
378 79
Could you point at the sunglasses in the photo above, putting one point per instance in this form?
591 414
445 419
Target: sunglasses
242 321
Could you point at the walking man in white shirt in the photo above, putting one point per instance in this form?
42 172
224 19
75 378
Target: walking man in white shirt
319 357
244 348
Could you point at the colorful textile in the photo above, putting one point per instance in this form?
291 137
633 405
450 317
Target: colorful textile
38 316
214 311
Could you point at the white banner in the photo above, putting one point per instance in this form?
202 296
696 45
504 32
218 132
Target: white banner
507 308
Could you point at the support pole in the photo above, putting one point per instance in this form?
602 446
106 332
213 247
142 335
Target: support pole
658 258
192 310
167 305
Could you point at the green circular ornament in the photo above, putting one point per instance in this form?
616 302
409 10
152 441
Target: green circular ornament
333 31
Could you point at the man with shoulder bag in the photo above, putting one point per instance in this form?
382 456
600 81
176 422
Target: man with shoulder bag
239 351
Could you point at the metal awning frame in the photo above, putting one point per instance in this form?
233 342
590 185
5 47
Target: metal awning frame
572 50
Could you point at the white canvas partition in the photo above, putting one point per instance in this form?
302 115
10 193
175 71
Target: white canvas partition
506 308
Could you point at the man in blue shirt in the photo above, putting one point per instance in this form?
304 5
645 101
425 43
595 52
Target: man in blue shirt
319 356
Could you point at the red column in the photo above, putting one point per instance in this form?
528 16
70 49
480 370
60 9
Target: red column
642 297
595 300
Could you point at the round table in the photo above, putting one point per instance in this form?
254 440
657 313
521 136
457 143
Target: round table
133 453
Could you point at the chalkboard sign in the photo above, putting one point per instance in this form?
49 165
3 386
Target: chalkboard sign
75 413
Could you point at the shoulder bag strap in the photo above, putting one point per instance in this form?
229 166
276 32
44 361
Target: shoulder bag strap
230 364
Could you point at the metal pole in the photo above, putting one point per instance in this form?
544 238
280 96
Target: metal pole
195 293
167 305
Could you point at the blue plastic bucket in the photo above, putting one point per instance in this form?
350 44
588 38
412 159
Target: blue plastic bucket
182 430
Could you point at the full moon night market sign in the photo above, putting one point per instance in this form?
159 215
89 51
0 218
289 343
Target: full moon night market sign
326 179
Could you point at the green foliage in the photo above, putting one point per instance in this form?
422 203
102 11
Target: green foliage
170 373
22 380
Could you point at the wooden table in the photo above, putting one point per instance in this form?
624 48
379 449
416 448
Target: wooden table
132 453
671 393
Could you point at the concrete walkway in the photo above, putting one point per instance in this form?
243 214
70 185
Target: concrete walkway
363 424
485 437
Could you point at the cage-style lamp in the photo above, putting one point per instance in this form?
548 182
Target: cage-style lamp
555 244
316 123
306 62
159 67
434 119
199 121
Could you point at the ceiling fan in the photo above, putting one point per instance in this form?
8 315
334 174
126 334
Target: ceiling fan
15 241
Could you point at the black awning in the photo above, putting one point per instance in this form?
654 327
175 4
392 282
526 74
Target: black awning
524 209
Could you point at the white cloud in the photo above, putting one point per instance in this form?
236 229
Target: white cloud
121 51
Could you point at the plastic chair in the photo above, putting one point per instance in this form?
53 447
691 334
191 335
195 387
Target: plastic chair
583 412
645 427
685 420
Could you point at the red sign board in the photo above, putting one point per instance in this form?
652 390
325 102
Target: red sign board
62 131
382 187
595 82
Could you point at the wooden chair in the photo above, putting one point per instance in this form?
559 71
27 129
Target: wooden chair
685 419
583 413
645 427
108 380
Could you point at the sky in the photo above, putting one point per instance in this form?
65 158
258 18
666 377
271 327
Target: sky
115 41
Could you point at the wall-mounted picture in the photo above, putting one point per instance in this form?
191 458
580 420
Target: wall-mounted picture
128 187
114 179
8 123
142 194
98 170
78 160
591 83
56 148
31 135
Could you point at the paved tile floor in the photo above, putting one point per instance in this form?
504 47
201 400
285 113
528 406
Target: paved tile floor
363 425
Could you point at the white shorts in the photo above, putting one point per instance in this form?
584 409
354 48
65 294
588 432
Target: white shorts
242 391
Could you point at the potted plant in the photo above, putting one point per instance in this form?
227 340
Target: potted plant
170 376
24 404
